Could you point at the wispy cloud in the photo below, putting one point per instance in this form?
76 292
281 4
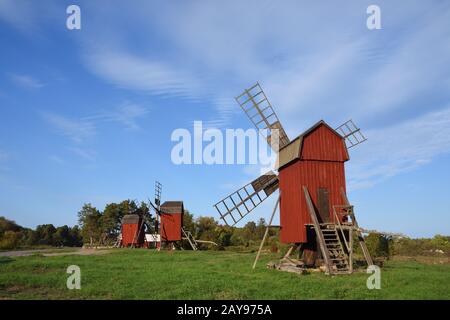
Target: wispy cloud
126 114
18 14
400 148
56 159
81 130
84 153
28 17
26 81
76 130
130 71
375 77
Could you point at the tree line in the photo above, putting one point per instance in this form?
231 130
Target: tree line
14 236
102 228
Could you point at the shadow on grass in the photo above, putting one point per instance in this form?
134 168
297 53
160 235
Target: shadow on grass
5 260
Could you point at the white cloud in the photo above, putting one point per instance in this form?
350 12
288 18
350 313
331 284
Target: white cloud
126 114
399 148
76 130
18 14
86 154
130 71
26 81
315 61
29 16
81 130
56 159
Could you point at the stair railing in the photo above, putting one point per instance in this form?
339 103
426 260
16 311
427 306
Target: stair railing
337 219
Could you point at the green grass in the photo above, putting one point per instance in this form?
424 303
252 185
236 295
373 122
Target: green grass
146 274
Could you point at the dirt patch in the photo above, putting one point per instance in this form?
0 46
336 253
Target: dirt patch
54 252
26 253
80 252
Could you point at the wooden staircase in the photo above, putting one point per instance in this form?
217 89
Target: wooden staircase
190 238
336 239
338 258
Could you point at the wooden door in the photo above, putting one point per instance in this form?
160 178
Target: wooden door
323 204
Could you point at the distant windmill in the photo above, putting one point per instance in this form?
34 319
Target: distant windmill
315 214
169 221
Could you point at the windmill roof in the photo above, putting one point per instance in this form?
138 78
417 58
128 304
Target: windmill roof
130 219
291 151
172 207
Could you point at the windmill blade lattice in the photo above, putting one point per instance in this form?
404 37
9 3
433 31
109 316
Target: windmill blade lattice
351 133
260 112
240 203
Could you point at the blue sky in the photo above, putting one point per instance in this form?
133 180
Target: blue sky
86 115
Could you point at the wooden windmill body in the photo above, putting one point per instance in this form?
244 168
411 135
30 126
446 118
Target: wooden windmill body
315 214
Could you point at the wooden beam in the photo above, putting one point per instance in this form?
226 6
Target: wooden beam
266 232
361 241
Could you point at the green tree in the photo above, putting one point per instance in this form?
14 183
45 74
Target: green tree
8 225
45 233
260 228
30 237
61 236
224 235
188 222
249 232
378 245
76 239
206 228
89 220
10 240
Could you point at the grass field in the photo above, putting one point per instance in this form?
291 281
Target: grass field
146 274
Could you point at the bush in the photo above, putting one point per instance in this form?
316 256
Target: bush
378 245
415 247
10 240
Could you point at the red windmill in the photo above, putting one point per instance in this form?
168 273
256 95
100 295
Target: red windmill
315 215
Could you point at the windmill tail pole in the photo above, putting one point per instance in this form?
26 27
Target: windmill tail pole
207 242
389 234
266 232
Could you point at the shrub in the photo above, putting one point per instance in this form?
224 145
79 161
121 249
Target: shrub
378 245
10 240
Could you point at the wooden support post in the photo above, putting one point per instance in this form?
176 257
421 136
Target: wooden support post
187 236
361 241
267 232
350 253
288 253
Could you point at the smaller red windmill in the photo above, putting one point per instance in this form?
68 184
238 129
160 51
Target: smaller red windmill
315 214
169 222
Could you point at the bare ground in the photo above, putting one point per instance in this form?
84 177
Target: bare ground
54 252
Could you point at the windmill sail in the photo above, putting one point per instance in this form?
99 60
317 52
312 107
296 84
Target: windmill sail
260 112
240 203
351 133
158 188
